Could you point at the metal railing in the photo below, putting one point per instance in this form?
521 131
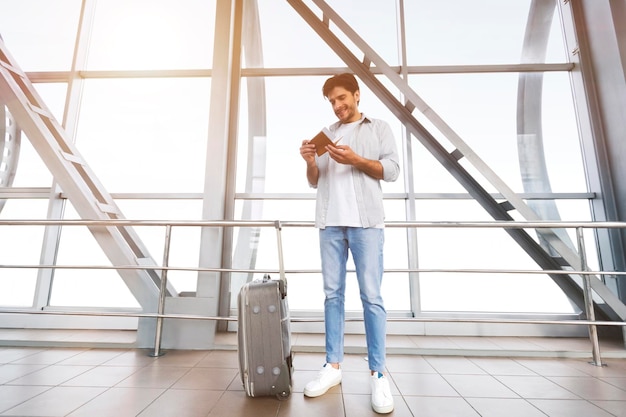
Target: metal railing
583 270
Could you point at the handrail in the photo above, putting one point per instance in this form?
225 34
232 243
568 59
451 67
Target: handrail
583 270
291 223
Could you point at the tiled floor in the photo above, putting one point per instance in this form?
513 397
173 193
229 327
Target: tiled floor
454 377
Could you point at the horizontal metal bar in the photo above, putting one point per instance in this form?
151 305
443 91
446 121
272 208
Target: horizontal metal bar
315 320
44 192
315 271
422 196
272 223
64 76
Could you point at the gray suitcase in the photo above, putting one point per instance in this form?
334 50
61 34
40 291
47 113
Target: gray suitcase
264 338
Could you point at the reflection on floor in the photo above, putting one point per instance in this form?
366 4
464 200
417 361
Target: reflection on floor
431 376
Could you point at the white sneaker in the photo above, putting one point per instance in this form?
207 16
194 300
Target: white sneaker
327 378
382 401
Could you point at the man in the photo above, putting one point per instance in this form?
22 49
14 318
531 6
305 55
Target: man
349 215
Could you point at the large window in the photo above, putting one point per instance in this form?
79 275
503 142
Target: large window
142 126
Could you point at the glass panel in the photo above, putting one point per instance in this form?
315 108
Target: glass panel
512 293
561 141
20 245
359 15
152 34
86 287
184 241
458 32
40 35
146 135
288 41
31 170
18 286
486 248
90 288
482 110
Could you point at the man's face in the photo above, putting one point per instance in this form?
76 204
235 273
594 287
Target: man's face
345 104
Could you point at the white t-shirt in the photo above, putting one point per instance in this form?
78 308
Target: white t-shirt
342 206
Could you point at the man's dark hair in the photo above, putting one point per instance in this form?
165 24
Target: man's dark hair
345 80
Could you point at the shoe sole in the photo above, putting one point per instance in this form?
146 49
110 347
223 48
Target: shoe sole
317 393
383 410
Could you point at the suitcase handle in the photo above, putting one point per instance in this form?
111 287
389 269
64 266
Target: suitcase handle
283 279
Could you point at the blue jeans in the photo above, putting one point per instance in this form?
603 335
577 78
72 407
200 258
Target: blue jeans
366 246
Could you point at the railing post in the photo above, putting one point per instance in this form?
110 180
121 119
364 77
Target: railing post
591 316
162 292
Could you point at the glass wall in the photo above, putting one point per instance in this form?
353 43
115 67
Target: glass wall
142 127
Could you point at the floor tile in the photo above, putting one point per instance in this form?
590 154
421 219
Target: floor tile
102 376
133 357
220 359
482 386
180 358
14 354
125 382
590 388
11 372
509 407
454 365
93 357
501 366
438 407
536 387
569 408
298 405
182 403
611 368
57 401
153 377
551 367
118 402
237 404
410 364
51 375
424 385
13 395
49 356
205 378
617 408
616 382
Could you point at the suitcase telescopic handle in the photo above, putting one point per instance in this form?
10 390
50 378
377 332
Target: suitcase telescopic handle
281 264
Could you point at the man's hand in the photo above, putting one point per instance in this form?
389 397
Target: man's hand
307 151
343 154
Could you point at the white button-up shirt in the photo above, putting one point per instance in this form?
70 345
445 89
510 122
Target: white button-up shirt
372 139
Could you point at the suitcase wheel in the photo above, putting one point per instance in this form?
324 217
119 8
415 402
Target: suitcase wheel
282 396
